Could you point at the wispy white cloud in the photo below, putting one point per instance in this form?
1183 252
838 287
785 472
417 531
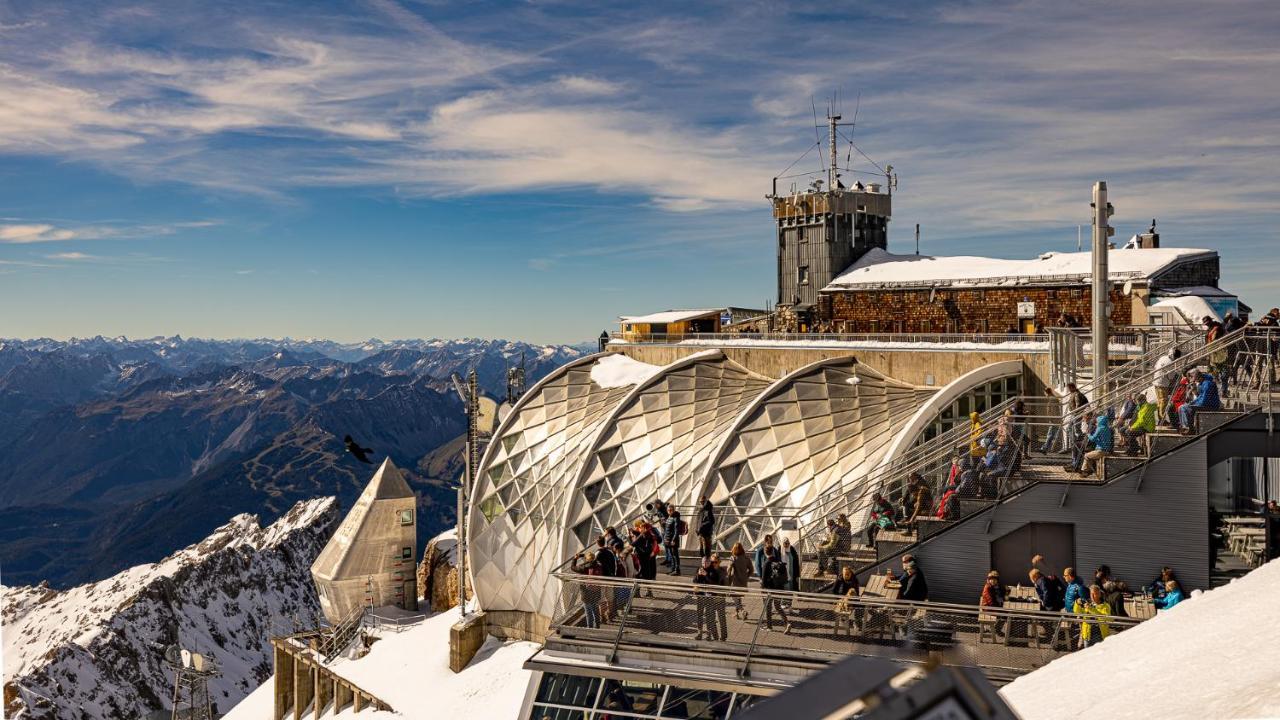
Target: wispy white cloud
995 115
77 256
26 233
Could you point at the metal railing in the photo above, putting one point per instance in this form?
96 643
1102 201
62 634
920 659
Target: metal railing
1247 355
932 460
727 520
341 635
1071 350
728 338
752 624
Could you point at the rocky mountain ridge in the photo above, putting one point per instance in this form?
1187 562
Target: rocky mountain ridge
96 651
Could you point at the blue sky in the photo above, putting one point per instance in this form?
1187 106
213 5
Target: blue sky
531 170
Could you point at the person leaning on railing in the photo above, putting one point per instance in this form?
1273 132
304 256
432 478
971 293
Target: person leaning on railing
585 564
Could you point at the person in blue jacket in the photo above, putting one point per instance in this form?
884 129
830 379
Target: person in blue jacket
1172 596
1104 441
1206 399
1075 589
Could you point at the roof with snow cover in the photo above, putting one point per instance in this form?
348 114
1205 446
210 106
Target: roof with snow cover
670 316
882 269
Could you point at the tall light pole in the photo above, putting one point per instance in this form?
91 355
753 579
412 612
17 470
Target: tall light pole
1102 210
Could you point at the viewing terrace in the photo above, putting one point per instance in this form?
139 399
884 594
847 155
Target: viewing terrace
1015 447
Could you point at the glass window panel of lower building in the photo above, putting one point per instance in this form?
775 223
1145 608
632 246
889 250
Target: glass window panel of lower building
546 712
696 704
570 690
630 696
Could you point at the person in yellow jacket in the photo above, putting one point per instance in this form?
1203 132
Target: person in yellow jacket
1096 630
1144 422
975 436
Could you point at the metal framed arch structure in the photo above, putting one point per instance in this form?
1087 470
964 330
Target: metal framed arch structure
573 456
817 428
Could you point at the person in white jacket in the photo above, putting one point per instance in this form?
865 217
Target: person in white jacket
1165 379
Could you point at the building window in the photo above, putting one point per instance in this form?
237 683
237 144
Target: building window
406 553
802 274
406 517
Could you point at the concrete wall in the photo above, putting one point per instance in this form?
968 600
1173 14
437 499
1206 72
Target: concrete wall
913 366
1135 531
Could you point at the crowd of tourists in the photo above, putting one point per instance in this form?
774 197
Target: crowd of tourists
1095 603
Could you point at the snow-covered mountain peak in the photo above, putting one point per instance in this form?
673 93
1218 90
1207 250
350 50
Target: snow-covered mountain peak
96 647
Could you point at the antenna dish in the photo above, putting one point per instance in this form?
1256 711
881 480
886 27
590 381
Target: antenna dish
200 663
173 655
186 658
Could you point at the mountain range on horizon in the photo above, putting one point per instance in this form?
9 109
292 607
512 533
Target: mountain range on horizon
117 452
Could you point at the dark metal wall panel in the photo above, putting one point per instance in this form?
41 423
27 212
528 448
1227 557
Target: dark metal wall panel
1165 522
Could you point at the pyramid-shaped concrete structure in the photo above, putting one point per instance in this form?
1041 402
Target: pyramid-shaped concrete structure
371 559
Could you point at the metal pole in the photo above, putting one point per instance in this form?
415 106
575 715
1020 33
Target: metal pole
1101 288
470 407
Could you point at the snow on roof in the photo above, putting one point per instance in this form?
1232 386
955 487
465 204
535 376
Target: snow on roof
615 371
1209 656
1192 306
880 268
669 316
410 671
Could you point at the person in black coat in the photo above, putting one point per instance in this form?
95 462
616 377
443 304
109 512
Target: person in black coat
774 578
913 586
706 525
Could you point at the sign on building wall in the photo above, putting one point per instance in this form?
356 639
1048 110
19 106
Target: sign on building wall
726 318
1026 310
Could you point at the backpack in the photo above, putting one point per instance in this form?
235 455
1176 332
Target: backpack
776 574
684 527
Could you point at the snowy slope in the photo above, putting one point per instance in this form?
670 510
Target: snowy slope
410 670
94 651
1216 655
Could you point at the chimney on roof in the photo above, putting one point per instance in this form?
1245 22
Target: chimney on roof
1150 238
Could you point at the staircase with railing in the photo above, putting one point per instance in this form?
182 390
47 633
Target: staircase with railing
1245 360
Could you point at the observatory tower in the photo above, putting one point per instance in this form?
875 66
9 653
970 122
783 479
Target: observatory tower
370 561
825 228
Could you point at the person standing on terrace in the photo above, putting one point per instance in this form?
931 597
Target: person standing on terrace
706 525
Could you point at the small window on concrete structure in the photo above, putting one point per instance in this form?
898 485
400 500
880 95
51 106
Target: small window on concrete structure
406 517
803 274
406 553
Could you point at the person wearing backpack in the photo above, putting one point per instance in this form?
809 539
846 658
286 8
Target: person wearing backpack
774 580
608 562
671 540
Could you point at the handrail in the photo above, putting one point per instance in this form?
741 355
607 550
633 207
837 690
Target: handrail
673 612
1119 345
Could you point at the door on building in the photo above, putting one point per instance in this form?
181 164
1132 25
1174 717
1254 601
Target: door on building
1011 554
1028 326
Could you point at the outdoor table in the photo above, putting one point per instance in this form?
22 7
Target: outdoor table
1028 629
1140 608
881 586
1023 592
